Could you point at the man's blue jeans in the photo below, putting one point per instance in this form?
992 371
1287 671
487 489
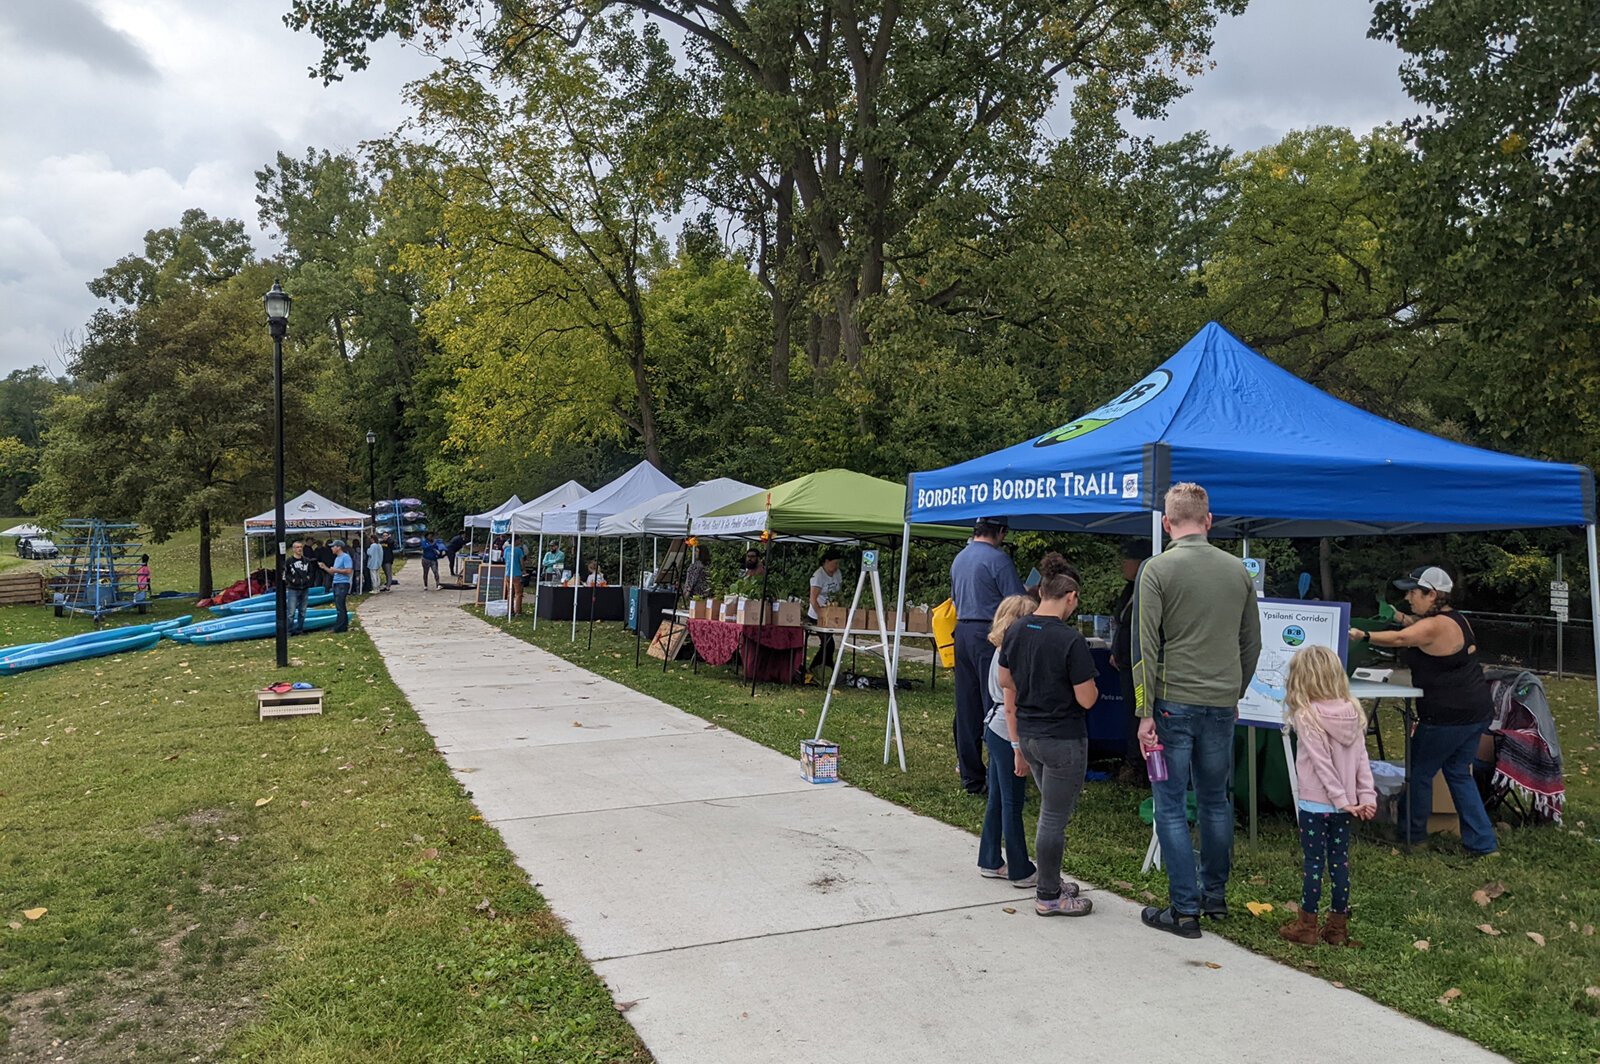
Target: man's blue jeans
296 598
1198 741
341 619
1449 748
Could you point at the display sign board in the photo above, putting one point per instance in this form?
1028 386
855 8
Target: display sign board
1559 602
1258 574
1286 626
869 561
500 526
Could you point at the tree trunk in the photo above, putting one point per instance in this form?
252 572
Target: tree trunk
783 301
205 554
644 396
1325 563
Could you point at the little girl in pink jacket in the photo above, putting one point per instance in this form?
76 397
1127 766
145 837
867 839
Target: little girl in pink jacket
1335 788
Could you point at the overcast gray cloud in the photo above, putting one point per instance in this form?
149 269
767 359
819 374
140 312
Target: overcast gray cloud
121 114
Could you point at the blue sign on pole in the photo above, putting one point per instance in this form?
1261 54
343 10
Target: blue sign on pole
499 526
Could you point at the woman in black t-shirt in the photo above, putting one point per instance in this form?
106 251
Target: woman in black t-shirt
1047 675
1438 645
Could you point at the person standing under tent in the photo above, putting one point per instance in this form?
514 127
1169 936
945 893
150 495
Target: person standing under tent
1195 645
751 566
1048 677
430 559
980 577
1003 845
453 548
1455 709
322 555
514 556
826 583
388 561
375 568
596 578
697 578
553 561
1134 553
299 576
339 573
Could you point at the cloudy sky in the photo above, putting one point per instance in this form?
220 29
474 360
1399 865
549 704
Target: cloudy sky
123 113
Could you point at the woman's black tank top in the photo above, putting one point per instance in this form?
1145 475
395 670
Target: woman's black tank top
1454 690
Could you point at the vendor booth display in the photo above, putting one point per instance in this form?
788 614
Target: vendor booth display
1278 456
309 512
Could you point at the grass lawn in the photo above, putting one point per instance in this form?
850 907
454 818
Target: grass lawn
310 889
1415 913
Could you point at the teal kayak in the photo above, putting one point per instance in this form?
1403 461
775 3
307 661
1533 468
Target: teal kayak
90 638
244 620
263 627
36 657
268 601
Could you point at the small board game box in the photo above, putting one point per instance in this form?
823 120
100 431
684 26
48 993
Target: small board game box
819 761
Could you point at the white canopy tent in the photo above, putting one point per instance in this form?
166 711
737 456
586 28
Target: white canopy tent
307 512
582 516
529 517
669 514
24 530
485 519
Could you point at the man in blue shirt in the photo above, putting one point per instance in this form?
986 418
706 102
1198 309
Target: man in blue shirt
341 570
514 558
431 550
980 577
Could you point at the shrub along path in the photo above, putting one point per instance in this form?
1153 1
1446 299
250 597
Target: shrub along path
739 913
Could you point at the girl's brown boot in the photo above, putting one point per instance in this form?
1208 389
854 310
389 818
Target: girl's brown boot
1336 932
1303 929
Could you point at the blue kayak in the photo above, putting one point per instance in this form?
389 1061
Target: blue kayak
269 601
243 620
38 656
263 627
90 638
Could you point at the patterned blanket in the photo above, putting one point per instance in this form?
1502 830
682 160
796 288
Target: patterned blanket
1527 751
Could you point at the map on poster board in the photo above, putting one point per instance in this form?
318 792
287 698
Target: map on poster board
1286 626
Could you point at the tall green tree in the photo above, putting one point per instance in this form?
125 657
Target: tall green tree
1505 216
171 423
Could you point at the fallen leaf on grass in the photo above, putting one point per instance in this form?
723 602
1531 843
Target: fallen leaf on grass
1122 884
1536 938
1449 996
1291 906
1481 898
1338 985
486 909
430 853
1588 929
34 914
1489 929
1258 908
263 801
1421 944
1494 890
1147 896
14 925
624 1006
1592 991
170 757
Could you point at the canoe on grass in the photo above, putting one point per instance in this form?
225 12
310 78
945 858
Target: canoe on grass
187 633
100 636
264 627
269 601
36 657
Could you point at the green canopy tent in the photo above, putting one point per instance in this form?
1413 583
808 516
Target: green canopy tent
835 505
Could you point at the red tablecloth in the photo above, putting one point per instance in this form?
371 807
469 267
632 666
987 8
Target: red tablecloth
767 652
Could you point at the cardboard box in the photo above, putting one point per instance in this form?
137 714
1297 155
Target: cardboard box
819 761
790 614
919 619
699 609
1442 802
831 616
755 611
728 610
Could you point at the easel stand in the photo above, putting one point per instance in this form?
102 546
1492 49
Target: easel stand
891 728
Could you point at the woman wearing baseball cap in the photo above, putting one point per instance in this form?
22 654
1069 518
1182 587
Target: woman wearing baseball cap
1437 643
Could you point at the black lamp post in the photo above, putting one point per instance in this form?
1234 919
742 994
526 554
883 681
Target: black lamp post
277 303
372 472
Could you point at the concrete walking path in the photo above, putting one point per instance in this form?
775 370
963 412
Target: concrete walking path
755 917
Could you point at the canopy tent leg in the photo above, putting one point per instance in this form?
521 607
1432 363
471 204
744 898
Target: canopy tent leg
538 579
577 581
247 582
505 571
1152 856
766 582
1594 615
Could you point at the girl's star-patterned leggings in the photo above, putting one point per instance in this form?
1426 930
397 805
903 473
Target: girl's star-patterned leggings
1325 845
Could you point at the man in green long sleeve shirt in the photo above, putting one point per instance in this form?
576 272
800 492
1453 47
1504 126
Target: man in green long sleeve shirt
1197 636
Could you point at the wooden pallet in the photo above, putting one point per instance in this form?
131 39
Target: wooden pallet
302 703
21 588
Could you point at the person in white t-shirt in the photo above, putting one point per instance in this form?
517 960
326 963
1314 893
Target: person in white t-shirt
826 584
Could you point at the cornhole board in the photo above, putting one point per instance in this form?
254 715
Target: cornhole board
301 703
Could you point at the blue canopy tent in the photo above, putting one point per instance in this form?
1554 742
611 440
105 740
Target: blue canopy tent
1278 456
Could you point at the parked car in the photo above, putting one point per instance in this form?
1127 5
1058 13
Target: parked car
36 547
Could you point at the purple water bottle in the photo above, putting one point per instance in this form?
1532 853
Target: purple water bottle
1155 763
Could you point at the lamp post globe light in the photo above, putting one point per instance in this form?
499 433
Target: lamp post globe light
277 303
